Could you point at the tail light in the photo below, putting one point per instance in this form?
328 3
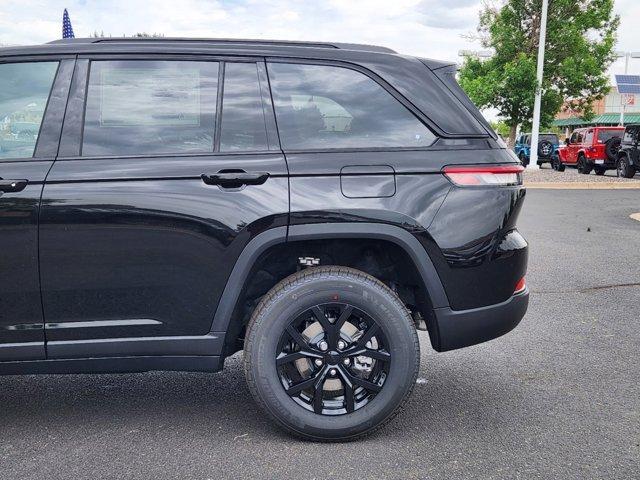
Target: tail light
483 175
520 286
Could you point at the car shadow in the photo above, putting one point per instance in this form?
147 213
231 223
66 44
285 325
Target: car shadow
202 403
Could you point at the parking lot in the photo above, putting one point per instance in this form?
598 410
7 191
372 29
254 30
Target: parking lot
559 397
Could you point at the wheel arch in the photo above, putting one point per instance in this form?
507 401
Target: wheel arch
265 242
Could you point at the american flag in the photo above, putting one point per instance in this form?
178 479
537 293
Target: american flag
67 29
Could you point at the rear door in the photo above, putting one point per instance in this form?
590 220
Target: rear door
32 99
160 183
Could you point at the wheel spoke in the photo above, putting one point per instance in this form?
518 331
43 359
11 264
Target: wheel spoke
309 382
297 337
349 401
372 387
318 395
322 318
334 335
366 336
284 358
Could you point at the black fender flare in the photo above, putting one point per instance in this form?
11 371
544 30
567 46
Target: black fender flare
263 241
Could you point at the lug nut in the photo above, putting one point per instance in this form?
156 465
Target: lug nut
341 344
318 362
346 361
323 346
332 372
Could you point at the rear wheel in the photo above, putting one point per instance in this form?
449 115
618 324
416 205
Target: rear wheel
331 353
583 166
624 168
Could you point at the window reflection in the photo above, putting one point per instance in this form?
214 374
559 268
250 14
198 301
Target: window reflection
243 124
147 107
24 91
320 107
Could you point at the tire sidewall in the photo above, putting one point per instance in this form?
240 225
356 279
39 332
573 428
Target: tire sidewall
278 312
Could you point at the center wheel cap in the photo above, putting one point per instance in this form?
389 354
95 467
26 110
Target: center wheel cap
333 358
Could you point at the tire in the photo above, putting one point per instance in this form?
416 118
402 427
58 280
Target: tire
292 306
612 147
600 170
539 163
523 159
583 166
557 165
545 149
624 168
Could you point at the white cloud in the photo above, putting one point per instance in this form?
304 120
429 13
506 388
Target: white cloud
429 28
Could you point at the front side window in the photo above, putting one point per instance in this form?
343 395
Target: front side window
243 125
321 107
24 92
150 107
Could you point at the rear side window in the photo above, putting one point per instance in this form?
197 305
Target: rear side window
321 107
243 122
24 92
588 137
604 135
150 107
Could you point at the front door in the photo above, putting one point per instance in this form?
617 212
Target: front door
146 211
27 150
573 147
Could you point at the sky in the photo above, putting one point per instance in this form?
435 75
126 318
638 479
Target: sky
428 28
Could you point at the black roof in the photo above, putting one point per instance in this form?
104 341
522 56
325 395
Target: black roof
224 42
221 46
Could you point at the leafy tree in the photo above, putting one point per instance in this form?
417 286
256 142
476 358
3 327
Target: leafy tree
581 36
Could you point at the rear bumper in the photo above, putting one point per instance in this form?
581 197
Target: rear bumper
598 162
462 328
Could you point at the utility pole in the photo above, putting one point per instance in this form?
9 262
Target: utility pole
535 131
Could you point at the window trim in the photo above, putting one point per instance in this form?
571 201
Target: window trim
47 109
419 116
72 140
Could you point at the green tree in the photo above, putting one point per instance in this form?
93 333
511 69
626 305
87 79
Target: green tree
581 35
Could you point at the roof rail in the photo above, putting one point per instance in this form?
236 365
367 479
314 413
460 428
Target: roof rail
228 42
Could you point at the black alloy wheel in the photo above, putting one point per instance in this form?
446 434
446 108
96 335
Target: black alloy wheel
331 353
333 359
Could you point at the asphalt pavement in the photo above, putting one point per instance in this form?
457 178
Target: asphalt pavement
559 397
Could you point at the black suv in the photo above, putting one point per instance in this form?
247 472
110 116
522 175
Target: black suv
628 162
169 202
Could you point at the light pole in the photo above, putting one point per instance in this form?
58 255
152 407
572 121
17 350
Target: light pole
626 56
535 131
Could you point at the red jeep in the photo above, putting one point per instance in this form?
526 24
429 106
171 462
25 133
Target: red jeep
593 148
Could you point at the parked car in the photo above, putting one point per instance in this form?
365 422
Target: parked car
312 204
548 144
593 148
628 163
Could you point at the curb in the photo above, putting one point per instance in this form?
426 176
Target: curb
583 185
